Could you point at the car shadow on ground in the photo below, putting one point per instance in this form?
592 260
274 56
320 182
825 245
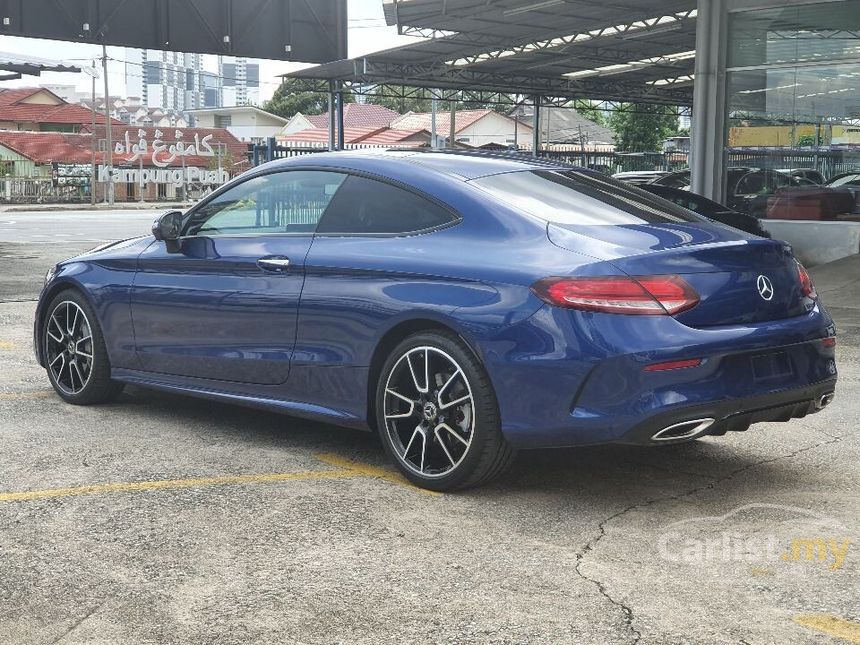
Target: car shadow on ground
598 475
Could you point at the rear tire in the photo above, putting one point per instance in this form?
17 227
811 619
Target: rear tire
76 357
437 414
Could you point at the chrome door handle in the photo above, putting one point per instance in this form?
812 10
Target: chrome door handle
273 263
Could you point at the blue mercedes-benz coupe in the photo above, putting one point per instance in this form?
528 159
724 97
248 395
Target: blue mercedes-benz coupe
463 305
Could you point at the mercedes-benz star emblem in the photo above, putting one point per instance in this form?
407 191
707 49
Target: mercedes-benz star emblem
765 287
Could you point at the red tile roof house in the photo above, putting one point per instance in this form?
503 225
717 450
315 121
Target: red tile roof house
36 109
473 128
382 137
373 125
355 115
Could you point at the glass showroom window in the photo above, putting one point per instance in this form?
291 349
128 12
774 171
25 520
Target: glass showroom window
794 111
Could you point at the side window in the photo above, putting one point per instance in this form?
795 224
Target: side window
283 202
373 207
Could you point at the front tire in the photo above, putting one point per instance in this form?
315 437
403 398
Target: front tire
437 414
76 358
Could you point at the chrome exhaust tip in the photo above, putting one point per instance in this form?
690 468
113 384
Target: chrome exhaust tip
824 401
683 430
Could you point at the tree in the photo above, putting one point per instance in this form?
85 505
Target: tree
590 110
389 97
643 127
385 96
291 97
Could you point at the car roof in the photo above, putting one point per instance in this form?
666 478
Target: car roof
465 165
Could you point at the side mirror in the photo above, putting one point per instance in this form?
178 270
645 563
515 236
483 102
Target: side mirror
168 229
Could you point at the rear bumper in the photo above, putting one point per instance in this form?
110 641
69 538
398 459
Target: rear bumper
573 378
733 415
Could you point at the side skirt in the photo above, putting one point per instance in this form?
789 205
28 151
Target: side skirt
211 390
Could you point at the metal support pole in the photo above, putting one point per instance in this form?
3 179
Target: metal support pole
452 125
707 143
433 122
340 127
332 99
109 192
516 128
536 126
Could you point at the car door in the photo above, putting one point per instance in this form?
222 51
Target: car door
377 252
224 307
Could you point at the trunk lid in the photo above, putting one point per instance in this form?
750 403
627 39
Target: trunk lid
740 278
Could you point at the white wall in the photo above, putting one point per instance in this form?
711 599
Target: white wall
246 125
816 242
494 128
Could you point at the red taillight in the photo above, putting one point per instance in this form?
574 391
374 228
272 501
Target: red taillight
829 342
652 294
673 365
806 285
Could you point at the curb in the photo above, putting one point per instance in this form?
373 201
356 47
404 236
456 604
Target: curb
59 208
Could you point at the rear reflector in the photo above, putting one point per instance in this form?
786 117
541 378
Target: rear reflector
652 294
806 285
830 341
673 365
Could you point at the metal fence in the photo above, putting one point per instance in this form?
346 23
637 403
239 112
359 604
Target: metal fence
605 160
20 190
828 162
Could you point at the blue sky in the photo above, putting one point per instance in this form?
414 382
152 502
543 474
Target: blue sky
368 32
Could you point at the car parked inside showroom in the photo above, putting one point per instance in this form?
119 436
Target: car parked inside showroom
462 305
747 189
708 208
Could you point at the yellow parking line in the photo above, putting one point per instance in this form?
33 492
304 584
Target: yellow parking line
370 471
172 484
834 626
36 394
7 345
344 469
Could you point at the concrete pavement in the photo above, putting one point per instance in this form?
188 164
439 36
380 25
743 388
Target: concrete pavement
160 519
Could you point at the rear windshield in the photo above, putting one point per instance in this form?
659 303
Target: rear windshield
574 197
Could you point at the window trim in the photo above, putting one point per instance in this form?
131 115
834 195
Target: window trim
241 179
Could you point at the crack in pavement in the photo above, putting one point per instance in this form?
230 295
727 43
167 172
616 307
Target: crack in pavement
627 611
78 622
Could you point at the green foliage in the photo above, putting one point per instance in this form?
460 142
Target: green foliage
591 111
225 161
806 140
384 95
643 128
290 98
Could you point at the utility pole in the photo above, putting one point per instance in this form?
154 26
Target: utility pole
109 193
93 72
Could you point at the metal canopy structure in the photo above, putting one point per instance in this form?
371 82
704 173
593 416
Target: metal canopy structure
313 31
17 65
617 51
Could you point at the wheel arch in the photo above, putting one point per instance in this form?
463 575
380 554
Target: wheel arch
47 297
393 337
